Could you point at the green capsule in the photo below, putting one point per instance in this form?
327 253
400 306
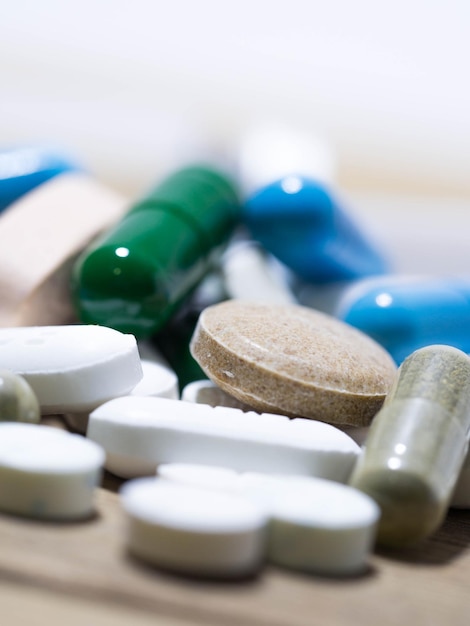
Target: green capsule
18 402
417 444
137 274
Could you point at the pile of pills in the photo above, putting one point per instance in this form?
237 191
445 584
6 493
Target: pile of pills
263 453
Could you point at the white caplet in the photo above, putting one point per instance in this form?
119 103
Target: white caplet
72 368
158 380
316 525
140 433
47 473
193 531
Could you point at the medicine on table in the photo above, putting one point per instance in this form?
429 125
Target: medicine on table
72 368
304 225
417 444
193 531
136 276
47 473
40 237
18 402
315 525
140 433
293 360
23 168
157 380
405 313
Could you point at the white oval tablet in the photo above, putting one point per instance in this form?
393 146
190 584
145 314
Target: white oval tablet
193 531
47 473
203 476
316 525
140 433
157 380
72 368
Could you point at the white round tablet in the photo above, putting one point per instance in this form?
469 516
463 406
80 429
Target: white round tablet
47 473
193 531
316 525
204 476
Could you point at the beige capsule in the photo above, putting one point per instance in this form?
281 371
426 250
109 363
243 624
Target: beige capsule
293 360
18 402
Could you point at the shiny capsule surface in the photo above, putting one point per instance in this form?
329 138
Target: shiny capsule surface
417 444
405 313
304 225
136 276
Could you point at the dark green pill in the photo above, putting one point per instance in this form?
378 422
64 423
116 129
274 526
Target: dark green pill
136 276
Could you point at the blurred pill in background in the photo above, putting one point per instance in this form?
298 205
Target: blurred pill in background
22 168
407 312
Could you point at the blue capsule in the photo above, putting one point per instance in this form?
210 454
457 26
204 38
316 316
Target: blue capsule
404 313
301 223
24 168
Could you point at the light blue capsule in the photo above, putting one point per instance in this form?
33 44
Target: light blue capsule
301 222
26 167
404 313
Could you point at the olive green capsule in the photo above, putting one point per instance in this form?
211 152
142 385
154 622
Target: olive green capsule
18 402
417 444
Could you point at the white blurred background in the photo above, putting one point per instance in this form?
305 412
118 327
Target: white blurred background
126 85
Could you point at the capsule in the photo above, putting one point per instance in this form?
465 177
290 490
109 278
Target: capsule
18 402
303 224
23 168
417 444
137 274
405 313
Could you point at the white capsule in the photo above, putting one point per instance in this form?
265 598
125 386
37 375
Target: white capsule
47 473
140 433
315 525
72 368
250 274
193 531
271 151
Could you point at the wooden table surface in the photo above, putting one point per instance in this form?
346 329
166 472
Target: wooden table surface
80 573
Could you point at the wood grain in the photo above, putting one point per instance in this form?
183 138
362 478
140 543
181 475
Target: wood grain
88 563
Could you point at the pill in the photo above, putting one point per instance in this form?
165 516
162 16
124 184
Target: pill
249 274
22 168
304 225
136 276
461 494
207 392
417 444
293 360
172 341
407 312
269 151
18 402
315 525
40 236
72 368
193 531
47 473
140 433
157 380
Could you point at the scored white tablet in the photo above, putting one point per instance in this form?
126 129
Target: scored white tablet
47 473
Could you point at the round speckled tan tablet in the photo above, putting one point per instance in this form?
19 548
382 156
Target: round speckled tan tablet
293 360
